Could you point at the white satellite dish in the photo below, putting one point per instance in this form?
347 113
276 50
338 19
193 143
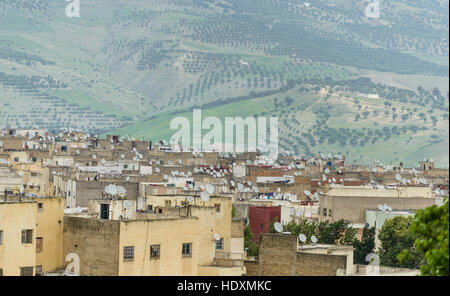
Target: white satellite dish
327 171
127 178
278 227
314 239
398 177
204 196
380 207
126 204
302 237
217 237
209 188
306 192
190 199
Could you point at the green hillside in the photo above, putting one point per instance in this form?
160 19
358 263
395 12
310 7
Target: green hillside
130 65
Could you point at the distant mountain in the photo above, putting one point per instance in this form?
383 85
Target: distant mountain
124 64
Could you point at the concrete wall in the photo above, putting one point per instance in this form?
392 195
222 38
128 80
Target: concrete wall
86 190
96 242
278 256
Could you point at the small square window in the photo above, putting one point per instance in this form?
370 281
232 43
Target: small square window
26 271
39 245
38 269
219 244
128 253
27 236
155 251
187 250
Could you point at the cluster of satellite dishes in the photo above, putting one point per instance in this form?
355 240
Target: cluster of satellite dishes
279 228
216 172
313 196
384 208
115 190
414 180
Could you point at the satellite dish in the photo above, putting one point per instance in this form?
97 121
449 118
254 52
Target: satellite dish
380 207
278 227
209 188
314 239
127 178
126 204
190 199
327 171
217 237
398 177
302 237
204 196
306 192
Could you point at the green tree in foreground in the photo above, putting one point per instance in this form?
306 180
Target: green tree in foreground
431 226
395 236
339 232
365 246
252 248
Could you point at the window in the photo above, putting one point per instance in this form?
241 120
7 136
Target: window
187 250
217 207
219 244
1 272
27 236
329 212
325 211
168 203
155 251
1 237
38 269
39 245
261 226
33 174
125 166
40 207
26 271
128 253
150 208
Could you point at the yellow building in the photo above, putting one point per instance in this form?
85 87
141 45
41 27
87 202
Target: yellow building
17 238
49 233
31 235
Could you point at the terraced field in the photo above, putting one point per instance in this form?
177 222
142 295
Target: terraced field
129 66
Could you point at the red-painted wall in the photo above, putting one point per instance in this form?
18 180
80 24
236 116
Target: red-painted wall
262 216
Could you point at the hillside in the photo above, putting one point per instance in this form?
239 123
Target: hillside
127 65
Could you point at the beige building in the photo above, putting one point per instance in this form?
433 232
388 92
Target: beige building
31 239
18 238
351 203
